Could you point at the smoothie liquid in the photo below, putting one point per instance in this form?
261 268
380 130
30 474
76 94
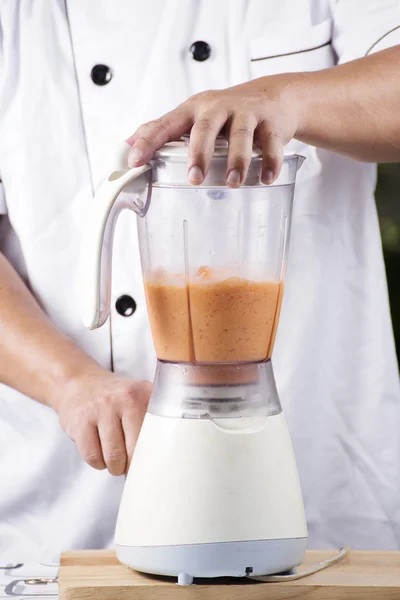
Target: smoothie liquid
213 319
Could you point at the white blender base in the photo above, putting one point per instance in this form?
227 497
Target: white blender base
193 482
209 494
226 559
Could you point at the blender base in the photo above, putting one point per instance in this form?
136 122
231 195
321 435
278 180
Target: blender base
224 559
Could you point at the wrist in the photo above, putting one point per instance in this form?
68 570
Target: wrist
294 94
66 374
297 93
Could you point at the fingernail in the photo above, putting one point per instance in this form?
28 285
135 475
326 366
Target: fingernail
233 177
134 156
267 176
195 175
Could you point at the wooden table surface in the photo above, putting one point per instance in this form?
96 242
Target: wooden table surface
96 574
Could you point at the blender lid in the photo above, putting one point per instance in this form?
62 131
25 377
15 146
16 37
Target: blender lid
170 166
180 147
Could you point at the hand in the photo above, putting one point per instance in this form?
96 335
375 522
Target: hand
103 413
259 112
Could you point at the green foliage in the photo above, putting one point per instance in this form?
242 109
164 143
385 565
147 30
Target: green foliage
388 204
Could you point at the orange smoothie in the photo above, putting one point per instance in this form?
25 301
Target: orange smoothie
213 319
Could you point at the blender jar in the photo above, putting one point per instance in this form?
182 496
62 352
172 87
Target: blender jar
213 258
214 261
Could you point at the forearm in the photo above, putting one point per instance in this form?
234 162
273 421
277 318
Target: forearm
353 108
35 358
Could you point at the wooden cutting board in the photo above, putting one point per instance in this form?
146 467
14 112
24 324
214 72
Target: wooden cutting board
97 575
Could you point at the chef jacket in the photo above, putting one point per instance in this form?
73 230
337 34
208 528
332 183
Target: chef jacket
78 76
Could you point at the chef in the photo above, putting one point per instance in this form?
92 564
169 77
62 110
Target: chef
76 78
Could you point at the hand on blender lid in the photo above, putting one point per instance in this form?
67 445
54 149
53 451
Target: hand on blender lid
265 123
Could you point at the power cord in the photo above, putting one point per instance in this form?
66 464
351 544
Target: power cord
293 576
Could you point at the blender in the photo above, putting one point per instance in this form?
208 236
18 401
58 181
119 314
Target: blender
212 489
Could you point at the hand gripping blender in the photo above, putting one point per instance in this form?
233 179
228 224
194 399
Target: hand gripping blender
212 488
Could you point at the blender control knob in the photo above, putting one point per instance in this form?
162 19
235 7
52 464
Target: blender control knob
185 579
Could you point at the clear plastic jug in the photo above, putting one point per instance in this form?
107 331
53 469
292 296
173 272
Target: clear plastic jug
213 258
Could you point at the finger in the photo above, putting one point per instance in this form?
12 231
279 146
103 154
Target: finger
88 442
271 145
131 140
241 136
131 423
151 136
202 143
132 419
113 444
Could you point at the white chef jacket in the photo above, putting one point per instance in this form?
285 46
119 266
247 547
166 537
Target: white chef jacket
334 357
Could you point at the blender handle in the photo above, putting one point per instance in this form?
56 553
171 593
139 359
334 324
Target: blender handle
97 239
